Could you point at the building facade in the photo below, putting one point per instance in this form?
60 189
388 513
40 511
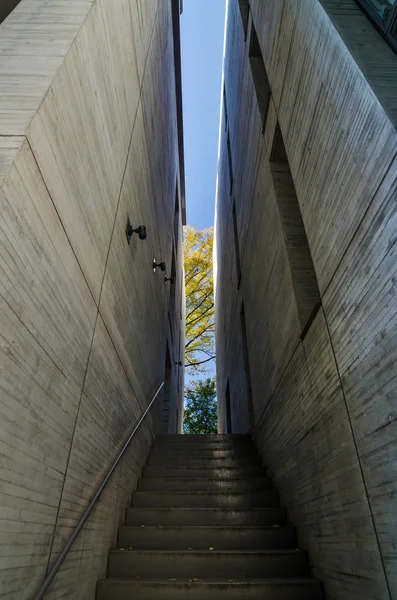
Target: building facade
306 302
90 141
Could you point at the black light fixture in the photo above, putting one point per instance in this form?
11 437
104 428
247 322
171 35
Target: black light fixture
178 363
129 231
159 265
170 279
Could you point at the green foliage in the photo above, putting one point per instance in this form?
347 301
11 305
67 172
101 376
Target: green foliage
199 284
201 414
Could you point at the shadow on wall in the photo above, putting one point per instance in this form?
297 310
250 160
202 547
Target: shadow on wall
6 7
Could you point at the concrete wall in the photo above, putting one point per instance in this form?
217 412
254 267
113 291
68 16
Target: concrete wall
88 138
7 6
323 399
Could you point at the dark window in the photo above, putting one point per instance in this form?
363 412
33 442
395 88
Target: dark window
384 14
236 245
247 367
229 156
176 219
244 11
228 410
304 280
172 307
167 393
259 75
6 8
225 107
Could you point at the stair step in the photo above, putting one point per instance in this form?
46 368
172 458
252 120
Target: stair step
177 472
265 499
248 453
168 484
207 447
205 516
197 437
187 443
170 537
206 563
198 461
258 589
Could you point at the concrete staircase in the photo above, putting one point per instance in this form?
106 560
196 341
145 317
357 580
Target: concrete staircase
205 524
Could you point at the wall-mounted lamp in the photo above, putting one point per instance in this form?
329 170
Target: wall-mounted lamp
178 363
170 279
159 265
129 231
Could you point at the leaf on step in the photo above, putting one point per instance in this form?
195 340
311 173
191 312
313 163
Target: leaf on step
122 549
230 580
211 548
137 576
190 548
194 579
171 579
130 548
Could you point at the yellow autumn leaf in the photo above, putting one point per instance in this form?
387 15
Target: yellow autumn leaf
199 284
211 548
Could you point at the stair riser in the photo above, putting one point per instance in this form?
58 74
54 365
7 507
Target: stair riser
181 517
210 437
210 463
267 499
210 564
199 453
204 473
107 590
180 538
158 484
217 445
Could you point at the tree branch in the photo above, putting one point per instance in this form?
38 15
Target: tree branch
189 277
199 363
197 306
188 323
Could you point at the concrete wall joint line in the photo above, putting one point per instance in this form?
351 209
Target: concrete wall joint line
277 386
71 447
59 216
359 461
360 223
97 312
289 53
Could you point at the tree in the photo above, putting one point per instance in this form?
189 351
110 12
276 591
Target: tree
201 414
199 282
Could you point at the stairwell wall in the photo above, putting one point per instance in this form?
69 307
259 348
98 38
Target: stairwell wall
323 399
89 136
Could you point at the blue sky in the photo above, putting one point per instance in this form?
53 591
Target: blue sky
202 28
202 32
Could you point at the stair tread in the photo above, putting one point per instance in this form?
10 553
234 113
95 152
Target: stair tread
220 508
234 527
204 580
204 493
228 479
262 551
182 540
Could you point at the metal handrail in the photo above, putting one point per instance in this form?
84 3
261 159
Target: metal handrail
49 578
